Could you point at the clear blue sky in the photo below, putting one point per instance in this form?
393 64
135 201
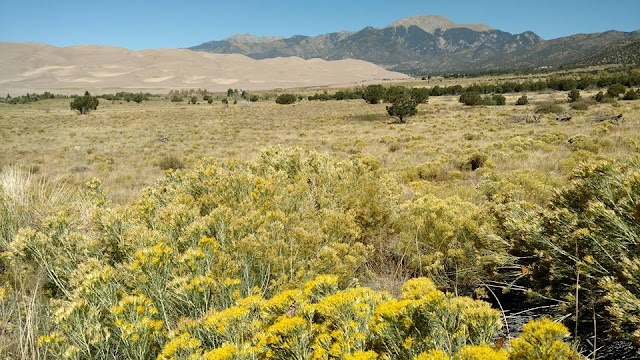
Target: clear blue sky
171 24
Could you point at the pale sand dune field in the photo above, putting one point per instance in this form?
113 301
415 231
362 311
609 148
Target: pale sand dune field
27 67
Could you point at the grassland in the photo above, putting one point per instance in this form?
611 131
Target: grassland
121 143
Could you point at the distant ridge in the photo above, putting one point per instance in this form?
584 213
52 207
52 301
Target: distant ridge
430 45
619 53
431 23
252 39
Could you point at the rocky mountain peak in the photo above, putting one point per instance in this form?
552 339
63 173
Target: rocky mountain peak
431 23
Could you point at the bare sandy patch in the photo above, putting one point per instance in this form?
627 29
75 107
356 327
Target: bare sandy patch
157 79
107 74
85 80
224 81
43 69
194 79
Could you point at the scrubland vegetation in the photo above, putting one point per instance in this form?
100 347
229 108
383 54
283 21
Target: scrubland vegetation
320 229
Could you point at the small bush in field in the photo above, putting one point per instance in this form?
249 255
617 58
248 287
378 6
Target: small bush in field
631 95
574 95
616 90
471 98
171 162
286 99
549 107
522 100
499 99
581 104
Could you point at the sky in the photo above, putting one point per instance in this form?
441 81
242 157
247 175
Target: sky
141 25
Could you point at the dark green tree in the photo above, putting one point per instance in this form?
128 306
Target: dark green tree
374 93
420 95
402 108
395 93
84 104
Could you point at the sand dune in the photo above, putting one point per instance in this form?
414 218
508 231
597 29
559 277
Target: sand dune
26 67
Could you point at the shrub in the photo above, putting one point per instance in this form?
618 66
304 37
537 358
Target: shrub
286 99
574 95
615 90
374 93
395 93
522 100
84 104
549 107
598 97
176 98
473 162
193 100
171 162
584 142
586 239
402 108
441 239
542 340
580 105
138 98
420 95
631 95
499 99
470 98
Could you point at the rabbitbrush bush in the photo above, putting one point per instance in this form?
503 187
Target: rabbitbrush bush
227 262
586 240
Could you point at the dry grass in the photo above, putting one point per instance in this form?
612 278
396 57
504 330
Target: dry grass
124 144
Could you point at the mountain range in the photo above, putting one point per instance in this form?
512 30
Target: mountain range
434 44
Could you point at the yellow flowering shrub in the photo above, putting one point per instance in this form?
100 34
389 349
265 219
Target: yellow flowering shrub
182 346
447 241
433 355
481 352
428 319
542 340
260 259
139 325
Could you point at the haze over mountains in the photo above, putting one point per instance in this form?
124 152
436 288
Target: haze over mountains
432 44
26 67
